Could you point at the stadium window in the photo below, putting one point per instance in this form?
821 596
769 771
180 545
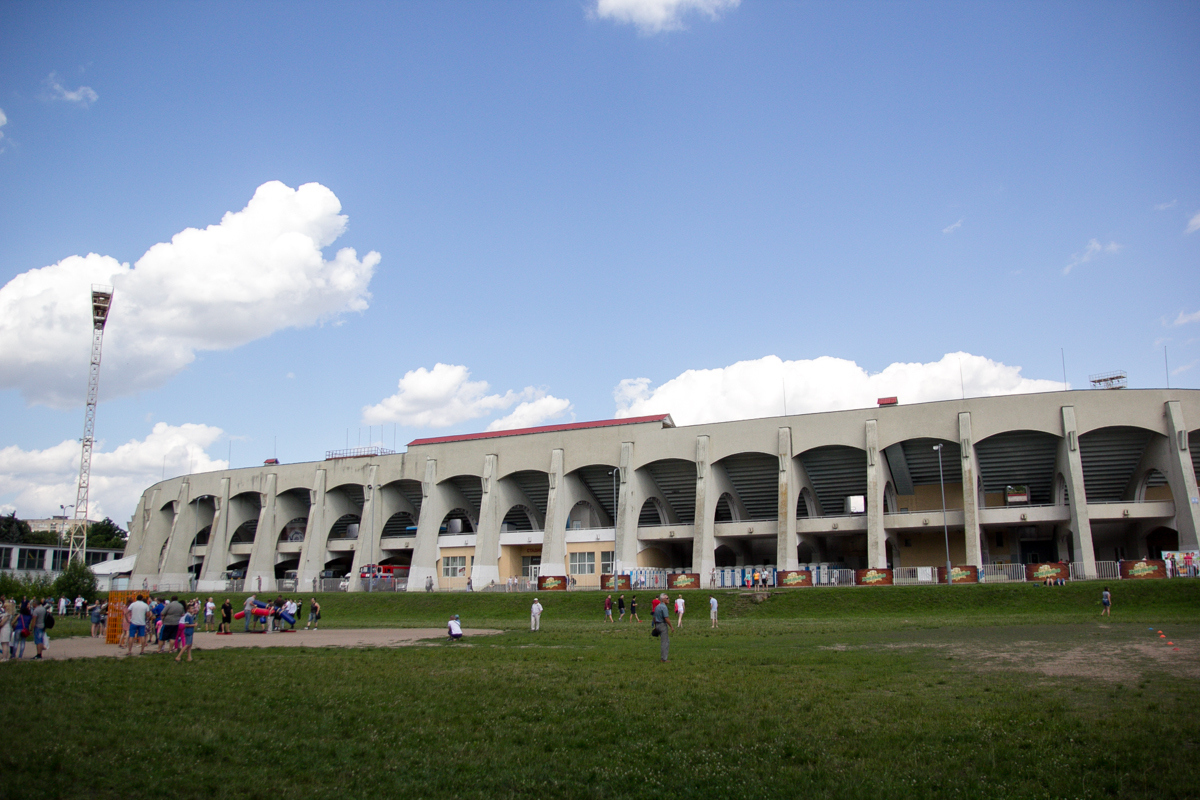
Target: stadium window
606 562
60 560
583 563
452 565
29 559
5 557
527 562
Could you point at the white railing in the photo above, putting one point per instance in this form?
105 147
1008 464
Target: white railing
1108 571
1002 573
914 576
647 578
829 576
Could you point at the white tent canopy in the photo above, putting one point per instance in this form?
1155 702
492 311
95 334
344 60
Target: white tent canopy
121 566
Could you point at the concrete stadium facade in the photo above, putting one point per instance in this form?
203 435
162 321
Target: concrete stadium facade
1104 474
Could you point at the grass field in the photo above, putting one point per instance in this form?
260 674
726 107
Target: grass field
986 691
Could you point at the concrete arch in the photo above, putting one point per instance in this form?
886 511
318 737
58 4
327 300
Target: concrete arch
520 517
653 512
294 530
201 537
588 515
400 523
460 515
245 533
345 527
727 508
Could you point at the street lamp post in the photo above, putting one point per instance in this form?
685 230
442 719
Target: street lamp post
945 525
62 533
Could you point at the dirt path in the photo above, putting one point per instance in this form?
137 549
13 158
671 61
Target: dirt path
86 647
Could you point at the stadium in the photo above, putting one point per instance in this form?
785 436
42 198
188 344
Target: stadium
1086 477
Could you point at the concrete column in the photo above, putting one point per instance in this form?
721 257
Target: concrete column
260 572
704 544
628 505
425 549
316 535
786 542
370 528
149 564
970 493
876 482
1081 525
1181 477
493 506
179 543
218 545
137 526
559 502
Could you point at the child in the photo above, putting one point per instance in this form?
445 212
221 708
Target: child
1106 601
187 628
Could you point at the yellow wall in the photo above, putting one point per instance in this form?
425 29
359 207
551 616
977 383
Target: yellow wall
929 498
653 557
1158 493
510 558
929 549
455 551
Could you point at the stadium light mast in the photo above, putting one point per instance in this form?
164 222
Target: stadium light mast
945 525
101 301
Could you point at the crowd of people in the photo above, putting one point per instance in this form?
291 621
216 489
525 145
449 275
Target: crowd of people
30 619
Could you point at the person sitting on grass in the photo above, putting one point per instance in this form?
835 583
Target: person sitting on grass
454 628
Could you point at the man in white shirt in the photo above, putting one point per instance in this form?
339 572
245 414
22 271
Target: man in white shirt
454 628
712 610
210 608
136 612
62 606
79 604
289 608
535 616
679 605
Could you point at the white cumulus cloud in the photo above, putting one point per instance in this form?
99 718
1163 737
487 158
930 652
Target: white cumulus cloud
83 96
752 389
952 228
36 482
1184 319
445 395
532 413
1193 224
655 16
1093 249
259 270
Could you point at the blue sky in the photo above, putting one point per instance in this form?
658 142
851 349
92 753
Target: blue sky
564 199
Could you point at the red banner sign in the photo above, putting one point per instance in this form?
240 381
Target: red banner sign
685 580
873 577
1140 570
789 578
1047 572
552 583
622 584
967 574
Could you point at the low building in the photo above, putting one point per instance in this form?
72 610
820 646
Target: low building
1079 476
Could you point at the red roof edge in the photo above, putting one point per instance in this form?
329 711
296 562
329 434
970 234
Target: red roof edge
665 419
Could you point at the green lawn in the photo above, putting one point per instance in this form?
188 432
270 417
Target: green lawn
986 691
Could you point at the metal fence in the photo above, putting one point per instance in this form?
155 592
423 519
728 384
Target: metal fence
383 583
829 576
914 576
1002 573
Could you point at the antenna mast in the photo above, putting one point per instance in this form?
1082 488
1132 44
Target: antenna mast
101 300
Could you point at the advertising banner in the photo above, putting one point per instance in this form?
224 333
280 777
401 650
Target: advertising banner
622 583
967 574
686 580
873 577
1181 563
790 578
552 583
1146 568
1044 572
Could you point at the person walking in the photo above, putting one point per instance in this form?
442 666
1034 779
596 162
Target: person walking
662 626
1106 601
210 609
608 608
712 611
248 610
679 607
621 608
535 616
633 609
136 613
39 627
314 614
187 628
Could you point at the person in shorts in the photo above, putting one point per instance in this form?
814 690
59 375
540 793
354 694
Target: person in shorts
679 609
314 615
172 613
210 609
226 625
39 627
712 611
633 609
608 608
136 613
1106 601
621 608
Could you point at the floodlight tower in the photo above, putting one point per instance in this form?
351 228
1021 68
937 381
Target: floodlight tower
101 300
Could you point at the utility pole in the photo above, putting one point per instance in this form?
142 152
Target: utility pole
101 300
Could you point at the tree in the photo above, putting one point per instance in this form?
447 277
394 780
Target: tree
13 530
106 534
76 579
